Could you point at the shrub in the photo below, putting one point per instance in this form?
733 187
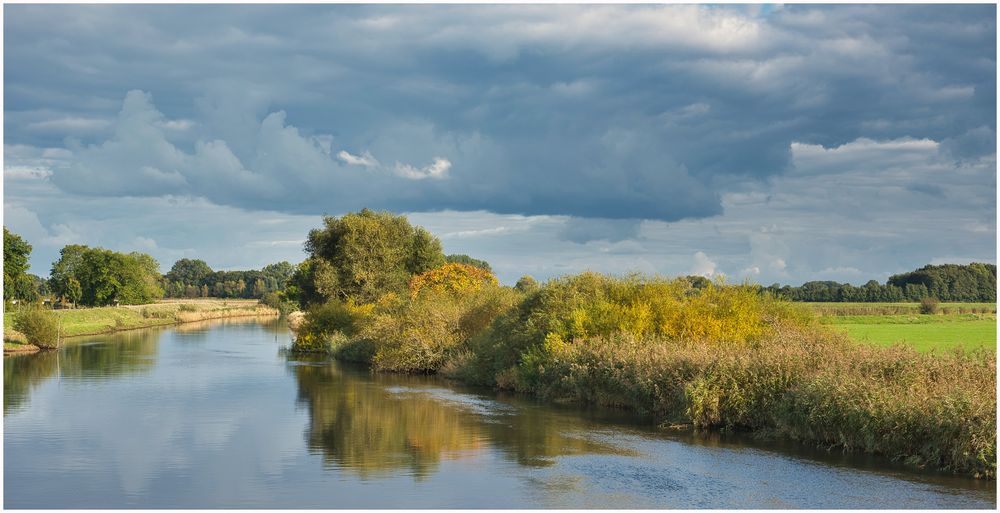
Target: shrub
422 334
40 326
526 284
187 307
588 305
323 322
929 305
279 302
452 278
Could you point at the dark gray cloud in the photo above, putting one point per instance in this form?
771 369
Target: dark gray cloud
778 143
591 111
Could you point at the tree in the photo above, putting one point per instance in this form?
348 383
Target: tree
70 258
467 260
526 284
280 272
73 290
97 277
363 255
189 272
16 282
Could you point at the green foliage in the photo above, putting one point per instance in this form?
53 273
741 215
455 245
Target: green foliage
929 305
64 270
363 255
526 284
423 333
189 272
39 325
332 321
467 260
16 282
948 282
279 302
194 278
97 277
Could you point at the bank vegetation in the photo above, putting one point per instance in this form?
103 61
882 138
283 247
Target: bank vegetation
686 352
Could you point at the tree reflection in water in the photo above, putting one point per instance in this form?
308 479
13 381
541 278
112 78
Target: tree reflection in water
121 354
378 424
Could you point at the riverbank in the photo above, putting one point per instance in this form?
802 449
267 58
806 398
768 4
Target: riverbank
96 321
720 357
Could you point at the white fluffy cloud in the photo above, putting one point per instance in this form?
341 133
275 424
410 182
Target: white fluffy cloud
702 266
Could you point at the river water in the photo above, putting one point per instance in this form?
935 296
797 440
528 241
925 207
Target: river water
218 415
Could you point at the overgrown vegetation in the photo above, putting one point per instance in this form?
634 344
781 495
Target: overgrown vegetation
683 350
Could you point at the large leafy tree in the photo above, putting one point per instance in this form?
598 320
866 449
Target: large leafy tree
364 255
189 272
97 277
16 282
64 272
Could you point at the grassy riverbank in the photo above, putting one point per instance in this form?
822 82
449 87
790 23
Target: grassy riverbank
95 321
714 357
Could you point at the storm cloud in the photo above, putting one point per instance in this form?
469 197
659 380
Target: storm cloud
611 122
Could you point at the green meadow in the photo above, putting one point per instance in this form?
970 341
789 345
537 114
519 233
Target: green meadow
925 333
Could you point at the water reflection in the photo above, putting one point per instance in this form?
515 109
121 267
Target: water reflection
381 424
219 417
90 358
270 323
22 373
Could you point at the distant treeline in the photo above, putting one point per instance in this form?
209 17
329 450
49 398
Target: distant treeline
90 276
194 278
976 282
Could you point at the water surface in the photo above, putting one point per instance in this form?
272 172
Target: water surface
218 415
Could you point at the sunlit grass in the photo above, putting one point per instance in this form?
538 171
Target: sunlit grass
922 332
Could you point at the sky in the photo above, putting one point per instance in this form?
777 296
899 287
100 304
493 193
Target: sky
763 143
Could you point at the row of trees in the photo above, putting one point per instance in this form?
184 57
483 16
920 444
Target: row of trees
974 282
90 276
194 278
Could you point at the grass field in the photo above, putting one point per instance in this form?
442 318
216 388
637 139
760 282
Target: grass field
922 332
92 321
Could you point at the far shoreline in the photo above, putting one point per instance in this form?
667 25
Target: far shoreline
108 320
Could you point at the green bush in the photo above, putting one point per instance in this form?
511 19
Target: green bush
422 334
929 305
39 325
324 322
277 301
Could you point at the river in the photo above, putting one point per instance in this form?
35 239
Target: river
218 415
